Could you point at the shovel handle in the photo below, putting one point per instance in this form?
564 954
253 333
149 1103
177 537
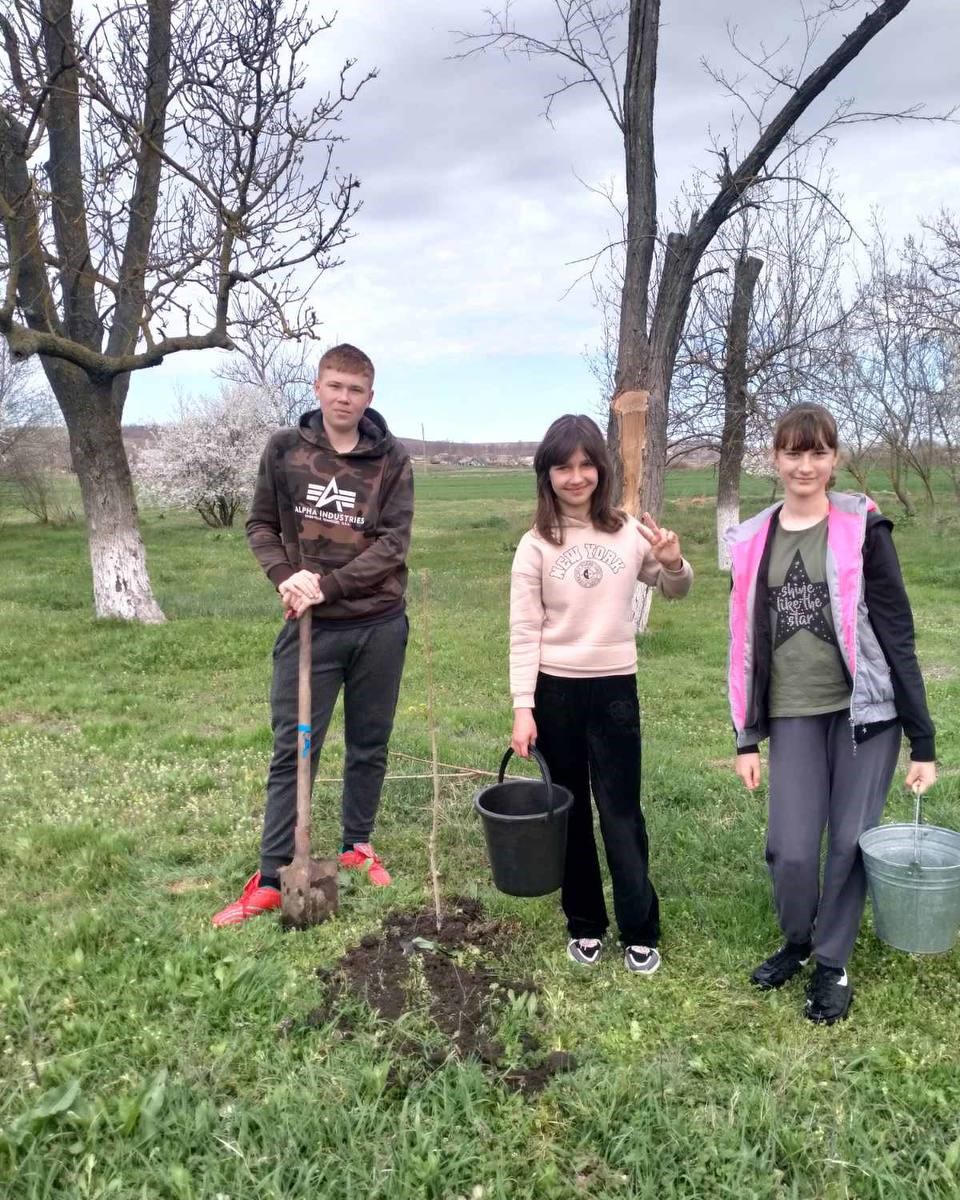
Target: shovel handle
917 820
301 837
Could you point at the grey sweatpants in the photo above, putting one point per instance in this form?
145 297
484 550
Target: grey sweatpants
819 778
367 662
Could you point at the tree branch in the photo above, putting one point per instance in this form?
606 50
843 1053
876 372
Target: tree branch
146 188
102 368
68 210
815 83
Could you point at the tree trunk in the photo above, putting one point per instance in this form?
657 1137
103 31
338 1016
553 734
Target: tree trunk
858 471
745 275
895 473
927 485
121 586
955 480
656 372
633 347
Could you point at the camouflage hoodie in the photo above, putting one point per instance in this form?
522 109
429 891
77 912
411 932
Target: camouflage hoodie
345 516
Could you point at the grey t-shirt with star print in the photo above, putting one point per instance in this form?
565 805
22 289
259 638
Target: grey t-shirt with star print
806 672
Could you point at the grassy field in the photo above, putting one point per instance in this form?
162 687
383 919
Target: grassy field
142 1054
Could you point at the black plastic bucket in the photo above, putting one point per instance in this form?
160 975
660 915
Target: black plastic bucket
525 823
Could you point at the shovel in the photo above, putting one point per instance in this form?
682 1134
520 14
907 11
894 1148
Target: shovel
308 886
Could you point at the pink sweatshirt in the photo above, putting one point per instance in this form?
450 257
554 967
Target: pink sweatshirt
570 605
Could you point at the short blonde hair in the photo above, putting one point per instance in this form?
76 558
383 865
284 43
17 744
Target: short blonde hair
346 358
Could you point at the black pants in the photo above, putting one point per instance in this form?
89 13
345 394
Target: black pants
367 663
588 730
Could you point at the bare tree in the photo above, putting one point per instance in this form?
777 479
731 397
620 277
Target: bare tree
621 63
279 370
945 407
940 258
852 406
26 404
901 364
29 422
152 167
760 337
929 286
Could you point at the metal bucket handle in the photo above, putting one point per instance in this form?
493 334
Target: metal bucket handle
917 822
544 771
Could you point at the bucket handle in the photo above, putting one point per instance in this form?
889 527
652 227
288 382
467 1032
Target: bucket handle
544 771
917 821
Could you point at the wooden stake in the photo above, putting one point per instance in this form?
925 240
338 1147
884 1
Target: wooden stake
428 654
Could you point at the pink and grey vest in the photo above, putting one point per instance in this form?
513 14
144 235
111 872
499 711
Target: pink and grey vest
871 696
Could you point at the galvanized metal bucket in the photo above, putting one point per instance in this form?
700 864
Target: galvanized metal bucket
913 874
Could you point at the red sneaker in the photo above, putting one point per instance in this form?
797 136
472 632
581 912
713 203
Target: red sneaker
364 857
253 901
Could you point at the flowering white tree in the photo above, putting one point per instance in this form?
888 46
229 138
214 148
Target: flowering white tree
758 463
206 461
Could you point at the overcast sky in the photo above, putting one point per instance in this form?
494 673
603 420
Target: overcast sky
458 281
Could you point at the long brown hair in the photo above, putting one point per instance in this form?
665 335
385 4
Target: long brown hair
561 441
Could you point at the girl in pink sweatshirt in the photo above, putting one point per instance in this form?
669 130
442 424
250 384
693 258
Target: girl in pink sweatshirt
573 662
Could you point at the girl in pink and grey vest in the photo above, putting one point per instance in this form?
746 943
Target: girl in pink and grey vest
822 662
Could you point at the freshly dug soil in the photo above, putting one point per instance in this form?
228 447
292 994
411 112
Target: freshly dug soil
462 1001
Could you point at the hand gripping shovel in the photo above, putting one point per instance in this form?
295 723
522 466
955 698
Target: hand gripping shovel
308 886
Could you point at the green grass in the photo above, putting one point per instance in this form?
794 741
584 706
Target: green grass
141 1056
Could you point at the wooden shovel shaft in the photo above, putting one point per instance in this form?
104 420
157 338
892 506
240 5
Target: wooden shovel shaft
301 842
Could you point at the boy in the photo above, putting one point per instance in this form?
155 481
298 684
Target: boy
330 526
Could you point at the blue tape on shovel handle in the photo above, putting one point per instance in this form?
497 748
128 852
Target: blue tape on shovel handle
305 729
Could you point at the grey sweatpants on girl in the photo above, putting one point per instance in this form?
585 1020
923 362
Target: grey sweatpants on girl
367 662
819 778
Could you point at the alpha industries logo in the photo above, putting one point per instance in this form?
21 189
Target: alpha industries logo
330 494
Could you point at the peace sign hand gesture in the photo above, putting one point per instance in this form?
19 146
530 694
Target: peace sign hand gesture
663 542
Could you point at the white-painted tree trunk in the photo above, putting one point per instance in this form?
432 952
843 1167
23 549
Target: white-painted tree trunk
728 514
640 608
121 585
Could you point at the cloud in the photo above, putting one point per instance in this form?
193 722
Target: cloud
473 213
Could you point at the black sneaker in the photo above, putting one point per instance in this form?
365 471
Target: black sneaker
642 960
585 951
829 995
781 967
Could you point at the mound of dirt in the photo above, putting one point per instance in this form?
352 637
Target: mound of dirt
445 975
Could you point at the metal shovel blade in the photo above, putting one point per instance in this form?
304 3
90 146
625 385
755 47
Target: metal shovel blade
308 892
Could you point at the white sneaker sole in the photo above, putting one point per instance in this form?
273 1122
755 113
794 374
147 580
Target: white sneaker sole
588 963
651 966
